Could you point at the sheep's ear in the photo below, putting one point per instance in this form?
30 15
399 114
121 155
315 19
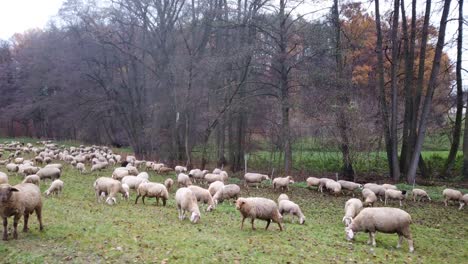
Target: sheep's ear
403 192
13 189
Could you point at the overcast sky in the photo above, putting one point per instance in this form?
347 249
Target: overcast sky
17 16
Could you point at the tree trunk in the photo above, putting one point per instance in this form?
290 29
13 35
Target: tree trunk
430 93
381 85
458 119
394 88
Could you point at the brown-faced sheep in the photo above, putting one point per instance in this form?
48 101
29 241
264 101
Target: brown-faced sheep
259 208
386 220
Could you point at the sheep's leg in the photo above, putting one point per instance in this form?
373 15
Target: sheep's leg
157 201
268 224
401 204
372 235
39 218
164 201
385 200
406 233
5 232
15 226
253 226
143 199
242 223
25 226
445 201
136 200
370 239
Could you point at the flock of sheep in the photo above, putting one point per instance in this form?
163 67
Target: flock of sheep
25 198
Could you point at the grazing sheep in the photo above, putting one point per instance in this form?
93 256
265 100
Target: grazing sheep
285 206
183 180
352 207
3 178
180 169
391 194
34 179
143 175
19 200
49 173
19 160
322 183
132 170
377 189
420 193
99 166
47 160
54 165
215 187
369 197
451 194
119 173
198 175
211 177
389 186
152 189
350 186
386 220
204 196
217 171
333 186
164 170
11 167
282 182
55 187
30 170
81 167
186 201
110 187
226 192
312 181
168 183
256 178
133 181
261 208
463 201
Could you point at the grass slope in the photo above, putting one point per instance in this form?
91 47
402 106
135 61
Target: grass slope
79 230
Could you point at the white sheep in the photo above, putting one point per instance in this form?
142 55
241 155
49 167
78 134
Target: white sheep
285 206
198 175
180 169
463 201
312 181
3 178
203 195
259 208
186 201
133 181
322 183
56 188
215 187
119 173
389 186
217 171
99 166
333 186
212 177
282 182
420 193
11 167
451 194
352 207
49 173
183 180
386 220
19 200
152 189
34 179
391 194
226 192
132 170
256 178
110 187
369 197
81 167
349 185
168 183
377 189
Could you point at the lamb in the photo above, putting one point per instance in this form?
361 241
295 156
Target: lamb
19 200
110 187
377 189
180 169
420 193
254 178
282 182
81 167
451 194
285 206
55 188
34 179
333 186
352 208
261 208
186 201
152 189
168 183
369 197
133 181
226 192
3 178
383 219
215 187
312 181
183 180
49 173
395 194
463 201
350 186
203 195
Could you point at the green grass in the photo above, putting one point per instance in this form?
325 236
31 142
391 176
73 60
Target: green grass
80 230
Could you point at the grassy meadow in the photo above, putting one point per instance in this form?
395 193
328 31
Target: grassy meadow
80 230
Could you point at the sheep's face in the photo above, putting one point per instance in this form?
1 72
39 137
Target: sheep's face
209 208
302 221
194 218
6 191
347 221
349 233
239 203
111 200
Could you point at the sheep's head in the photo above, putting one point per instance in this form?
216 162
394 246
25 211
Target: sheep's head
302 220
6 191
210 208
111 200
347 220
404 192
239 203
349 233
195 217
